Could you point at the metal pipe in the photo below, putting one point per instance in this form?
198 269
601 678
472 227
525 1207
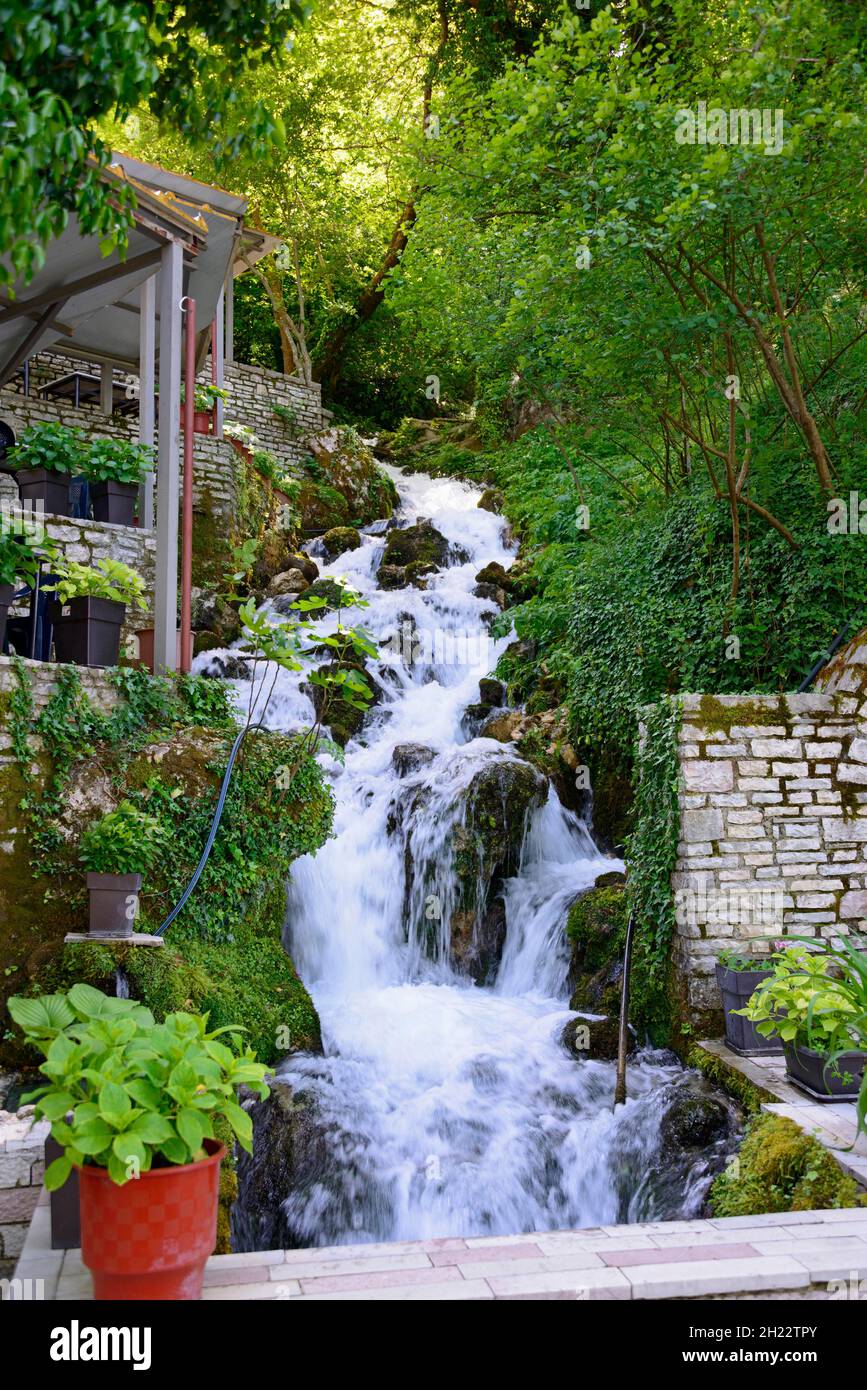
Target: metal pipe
187 507
623 1032
826 656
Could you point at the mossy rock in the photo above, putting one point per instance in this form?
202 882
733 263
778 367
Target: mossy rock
340 539
492 500
780 1168
322 507
413 544
596 929
350 472
333 593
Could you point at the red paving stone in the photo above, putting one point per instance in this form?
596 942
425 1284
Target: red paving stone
677 1253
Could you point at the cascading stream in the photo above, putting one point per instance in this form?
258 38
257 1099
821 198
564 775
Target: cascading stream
442 1107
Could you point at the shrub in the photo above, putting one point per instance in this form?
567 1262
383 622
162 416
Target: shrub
109 579
117 461
126 841
58 448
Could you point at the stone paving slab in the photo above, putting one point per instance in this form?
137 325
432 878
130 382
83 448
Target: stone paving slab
785 1254
833 1123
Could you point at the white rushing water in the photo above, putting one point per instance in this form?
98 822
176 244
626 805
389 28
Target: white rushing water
448 1108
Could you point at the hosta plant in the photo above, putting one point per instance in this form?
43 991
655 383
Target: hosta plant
802 1002
109 579
59 448
126 1093
126 841
117 461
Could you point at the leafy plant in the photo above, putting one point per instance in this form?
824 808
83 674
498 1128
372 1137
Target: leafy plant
242 433
109 579
117 461
140 1094
19 559
802 1003
206 397
733 960
125 841
57 448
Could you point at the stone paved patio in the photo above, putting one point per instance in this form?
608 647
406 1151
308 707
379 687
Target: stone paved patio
795 1255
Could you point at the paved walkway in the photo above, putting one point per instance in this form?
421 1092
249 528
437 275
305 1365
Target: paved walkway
796 1255
832 1123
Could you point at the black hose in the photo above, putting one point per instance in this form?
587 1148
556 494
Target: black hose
826 656
212 834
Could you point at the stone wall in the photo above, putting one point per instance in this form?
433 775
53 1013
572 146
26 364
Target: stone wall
773 826
22 1166
254 391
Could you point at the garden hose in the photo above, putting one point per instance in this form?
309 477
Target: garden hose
826 656
212 834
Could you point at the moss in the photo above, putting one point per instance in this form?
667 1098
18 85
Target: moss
729 1079
718 717
780 1168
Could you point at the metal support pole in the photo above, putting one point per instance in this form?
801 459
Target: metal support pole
147 383
106 388
166 595
187 527
218 375
230 317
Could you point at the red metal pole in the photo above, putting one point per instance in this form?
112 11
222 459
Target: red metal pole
214 372
187 507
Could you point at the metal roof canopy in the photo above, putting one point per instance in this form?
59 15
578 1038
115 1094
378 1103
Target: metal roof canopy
88 305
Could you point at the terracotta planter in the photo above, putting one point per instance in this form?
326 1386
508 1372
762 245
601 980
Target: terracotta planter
114 502
110 904
736 986
7 593
145 637
87 630
150 1238
202 421
809 1071
46 486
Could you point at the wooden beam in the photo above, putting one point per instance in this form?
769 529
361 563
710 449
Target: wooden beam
61 294
168 473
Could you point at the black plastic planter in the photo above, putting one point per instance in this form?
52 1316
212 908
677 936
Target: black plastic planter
87 630
113 903
810 1072
46 486
7 593
736 986
114 502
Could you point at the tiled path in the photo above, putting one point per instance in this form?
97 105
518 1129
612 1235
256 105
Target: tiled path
795 1255
832 1123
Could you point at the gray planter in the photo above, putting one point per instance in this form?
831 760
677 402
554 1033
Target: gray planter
810 1072
110 896
736 986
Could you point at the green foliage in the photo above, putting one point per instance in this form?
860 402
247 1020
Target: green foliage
125 841
58 448
140 1093
108 579
19 558
65 66
652 849
779 1168
735 960
800 1002
116 461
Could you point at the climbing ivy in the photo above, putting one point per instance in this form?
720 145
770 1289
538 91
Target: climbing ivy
651 855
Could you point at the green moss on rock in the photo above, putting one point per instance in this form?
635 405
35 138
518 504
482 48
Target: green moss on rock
780 1168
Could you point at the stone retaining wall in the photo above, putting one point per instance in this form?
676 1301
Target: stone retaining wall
22 1166
773 826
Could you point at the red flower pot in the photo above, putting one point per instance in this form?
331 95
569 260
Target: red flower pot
150 1238
202 421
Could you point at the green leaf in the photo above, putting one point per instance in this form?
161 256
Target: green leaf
241 1124
57 1172
193 1127
114 1103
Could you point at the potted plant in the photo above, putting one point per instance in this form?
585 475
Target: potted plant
206 398
44 458
133 1105
819 1017
18 562
737 977
115 469
116 851
90 609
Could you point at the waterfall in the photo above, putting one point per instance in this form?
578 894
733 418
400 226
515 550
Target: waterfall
442 1107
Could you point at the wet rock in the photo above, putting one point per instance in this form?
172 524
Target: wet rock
611 880
211 613
473 718
340 539
478 940
492 594
205 642
492 692
333 593
496 575
409 544
596 931
492 500
502 724
289 1150
354 486
693 1121
287 582
309 568
595 1039
275 554
409 757
231 667
393 577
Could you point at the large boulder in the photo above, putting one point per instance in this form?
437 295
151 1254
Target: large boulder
287 582
595 1039
350 470
411 552
410 757
492 500
596 931
290 1151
